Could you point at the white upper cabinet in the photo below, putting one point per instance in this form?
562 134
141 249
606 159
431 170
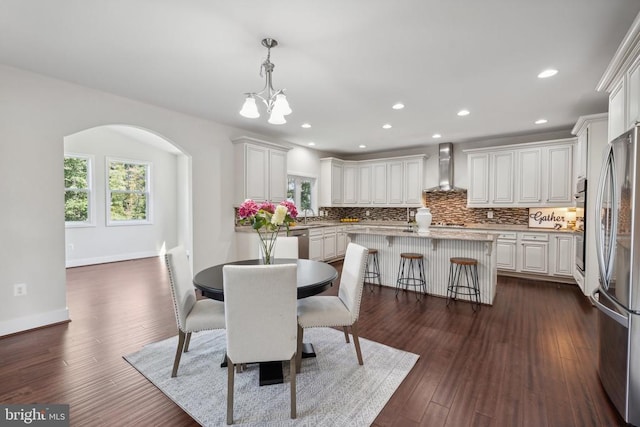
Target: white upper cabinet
522 175
350 181
529 171
395 187
397 181
621 80
364 184
261 170
478 191
501 177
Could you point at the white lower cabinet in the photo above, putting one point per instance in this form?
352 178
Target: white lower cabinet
534 253
506 250
562 255
329 239
341 241
316 244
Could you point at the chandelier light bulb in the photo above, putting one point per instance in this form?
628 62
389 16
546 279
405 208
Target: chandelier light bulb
281 105
250 109
276 119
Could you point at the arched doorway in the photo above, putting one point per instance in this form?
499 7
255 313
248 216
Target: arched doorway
135 200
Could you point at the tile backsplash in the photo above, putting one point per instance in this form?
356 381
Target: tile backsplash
448 207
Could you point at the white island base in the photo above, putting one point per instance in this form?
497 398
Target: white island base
437 248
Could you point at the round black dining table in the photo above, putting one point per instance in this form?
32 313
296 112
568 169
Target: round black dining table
313 277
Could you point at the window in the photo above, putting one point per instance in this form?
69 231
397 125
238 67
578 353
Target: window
128 194
301 191
78 197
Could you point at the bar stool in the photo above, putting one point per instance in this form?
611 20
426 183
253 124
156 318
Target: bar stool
409 263
372 271
471 289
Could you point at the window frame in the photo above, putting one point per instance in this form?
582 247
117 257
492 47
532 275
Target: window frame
90 190
148 193
299 177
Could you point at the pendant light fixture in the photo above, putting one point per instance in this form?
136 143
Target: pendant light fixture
275 100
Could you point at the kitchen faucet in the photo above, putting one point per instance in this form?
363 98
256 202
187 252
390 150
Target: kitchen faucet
304 212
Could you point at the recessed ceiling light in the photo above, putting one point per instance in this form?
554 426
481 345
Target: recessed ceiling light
362 146
306 125
398 106
311 143
386 126
463 112
547 73
540 121
436 135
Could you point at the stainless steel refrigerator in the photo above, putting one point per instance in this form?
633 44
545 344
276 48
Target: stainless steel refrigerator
618 296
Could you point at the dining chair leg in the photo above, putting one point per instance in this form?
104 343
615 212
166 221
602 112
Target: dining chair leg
292 373
186 342
176 362
346 334
356 342
230 374
299 349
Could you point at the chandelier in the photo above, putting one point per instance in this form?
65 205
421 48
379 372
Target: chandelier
275 100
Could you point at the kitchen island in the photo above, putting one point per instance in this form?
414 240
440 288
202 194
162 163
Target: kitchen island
437 246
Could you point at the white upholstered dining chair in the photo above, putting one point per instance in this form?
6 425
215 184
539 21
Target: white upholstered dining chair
192 315
342 310
260 313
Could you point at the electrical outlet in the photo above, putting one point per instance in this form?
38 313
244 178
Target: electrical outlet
367 213
490 214
19 289
412 214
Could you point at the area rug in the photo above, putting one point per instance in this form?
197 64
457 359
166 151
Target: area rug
333 390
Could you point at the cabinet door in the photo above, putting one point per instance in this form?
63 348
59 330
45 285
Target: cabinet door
336 183
341 242
395 185
256 173
364 184
617 115
559 175
478 192
581 154
329 243
277 176
316 247
503 177
413 182
350 179
379 183
633 93
563 257
534 257
529 176
506 254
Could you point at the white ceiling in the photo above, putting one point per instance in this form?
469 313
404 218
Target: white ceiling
343 63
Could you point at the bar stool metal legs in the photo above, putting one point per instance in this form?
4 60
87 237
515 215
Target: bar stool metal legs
470 287
411 273
372 271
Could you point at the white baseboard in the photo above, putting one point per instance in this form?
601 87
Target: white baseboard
110 258
39 320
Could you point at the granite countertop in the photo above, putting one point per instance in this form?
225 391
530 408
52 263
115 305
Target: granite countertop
436 234
498 228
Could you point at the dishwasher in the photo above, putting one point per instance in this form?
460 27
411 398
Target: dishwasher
303 242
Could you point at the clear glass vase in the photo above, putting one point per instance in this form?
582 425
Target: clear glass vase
268 247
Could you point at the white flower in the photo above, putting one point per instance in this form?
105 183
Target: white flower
279 215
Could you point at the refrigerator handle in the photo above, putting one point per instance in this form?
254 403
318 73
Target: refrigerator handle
598 215
624 321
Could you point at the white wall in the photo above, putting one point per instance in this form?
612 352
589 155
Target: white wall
36 114
101 243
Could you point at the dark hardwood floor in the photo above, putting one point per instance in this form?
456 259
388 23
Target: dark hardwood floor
529 360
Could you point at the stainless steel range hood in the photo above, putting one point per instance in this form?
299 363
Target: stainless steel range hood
445 169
